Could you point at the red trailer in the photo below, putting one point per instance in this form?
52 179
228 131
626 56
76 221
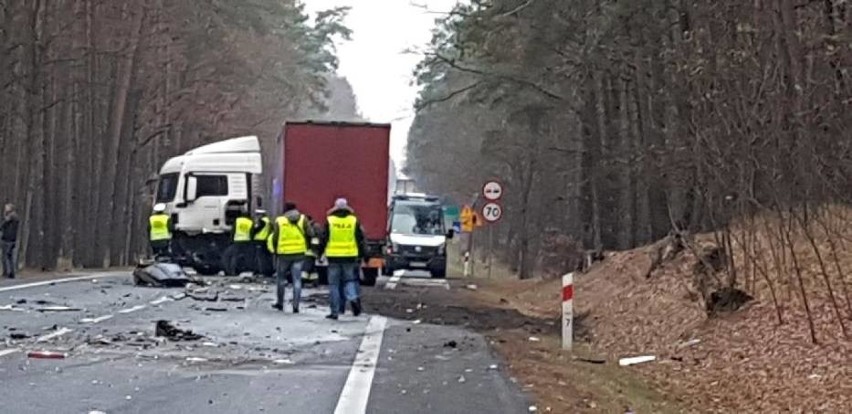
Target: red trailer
323 161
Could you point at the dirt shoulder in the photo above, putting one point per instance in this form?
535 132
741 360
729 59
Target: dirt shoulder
527 338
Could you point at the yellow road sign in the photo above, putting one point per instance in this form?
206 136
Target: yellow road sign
468 219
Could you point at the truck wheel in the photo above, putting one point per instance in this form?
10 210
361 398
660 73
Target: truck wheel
439 273
370 276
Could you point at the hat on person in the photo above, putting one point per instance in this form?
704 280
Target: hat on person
341 203
159 208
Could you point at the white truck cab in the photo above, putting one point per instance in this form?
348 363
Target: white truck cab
204 191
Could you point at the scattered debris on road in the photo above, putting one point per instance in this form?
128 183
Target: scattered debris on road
636 360
451 344
160 275
472 287
46 355
11 308
167 330
534 339
19 335
58 309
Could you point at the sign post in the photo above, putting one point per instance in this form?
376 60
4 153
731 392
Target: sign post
567 311
492 211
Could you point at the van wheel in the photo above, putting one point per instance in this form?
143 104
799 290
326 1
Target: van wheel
439 273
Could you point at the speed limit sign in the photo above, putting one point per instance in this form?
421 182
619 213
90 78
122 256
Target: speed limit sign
492 212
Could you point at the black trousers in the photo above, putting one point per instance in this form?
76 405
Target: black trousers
160 248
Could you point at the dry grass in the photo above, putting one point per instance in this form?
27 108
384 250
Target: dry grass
745 361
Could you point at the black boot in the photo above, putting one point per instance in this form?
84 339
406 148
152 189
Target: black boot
278 306
356 307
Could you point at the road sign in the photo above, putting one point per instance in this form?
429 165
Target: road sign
492 212
492 190
457 227
468 219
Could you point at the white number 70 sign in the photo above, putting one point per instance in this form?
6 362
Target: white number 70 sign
492 212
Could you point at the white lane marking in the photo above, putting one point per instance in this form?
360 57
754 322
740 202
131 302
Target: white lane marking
96 320
133 309
9 351
57 281
356 391
393 281
163 299
52 335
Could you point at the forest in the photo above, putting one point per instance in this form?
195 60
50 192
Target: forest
95 95
616 123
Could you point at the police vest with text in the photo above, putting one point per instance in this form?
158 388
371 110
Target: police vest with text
341 237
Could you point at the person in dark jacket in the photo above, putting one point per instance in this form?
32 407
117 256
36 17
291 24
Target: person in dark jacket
260 234
342 242
9 240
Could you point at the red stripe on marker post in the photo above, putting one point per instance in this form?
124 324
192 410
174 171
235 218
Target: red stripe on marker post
567 292
568 311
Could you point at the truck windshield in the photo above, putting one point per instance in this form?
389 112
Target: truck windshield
167 188
417 218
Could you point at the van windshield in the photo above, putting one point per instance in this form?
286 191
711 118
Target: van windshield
167 188
417 218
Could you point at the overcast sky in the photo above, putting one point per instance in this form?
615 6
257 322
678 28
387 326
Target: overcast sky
375 61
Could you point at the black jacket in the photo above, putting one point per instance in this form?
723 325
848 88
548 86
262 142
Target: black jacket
359 238
9 228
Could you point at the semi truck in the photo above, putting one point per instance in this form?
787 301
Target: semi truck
320 162
204 191
206 188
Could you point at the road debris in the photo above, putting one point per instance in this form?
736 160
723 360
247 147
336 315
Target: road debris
58 309
19 335
451 344
11 308
55 334
636 360
533 409
285 361
167 330
196 359
96 320
46 355
534 339
160 275
472 287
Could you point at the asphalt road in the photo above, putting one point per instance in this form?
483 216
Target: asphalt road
251 359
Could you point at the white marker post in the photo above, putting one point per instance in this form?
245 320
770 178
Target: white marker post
568 311
467 263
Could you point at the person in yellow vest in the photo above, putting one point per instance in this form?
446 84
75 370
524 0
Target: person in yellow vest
291 236
343 245
260 234
242 249
160 231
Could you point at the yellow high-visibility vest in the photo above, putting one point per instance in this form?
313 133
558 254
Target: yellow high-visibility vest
291 237
264 233
160 227
341 237
242 229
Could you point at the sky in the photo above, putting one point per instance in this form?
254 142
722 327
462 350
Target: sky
376 61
